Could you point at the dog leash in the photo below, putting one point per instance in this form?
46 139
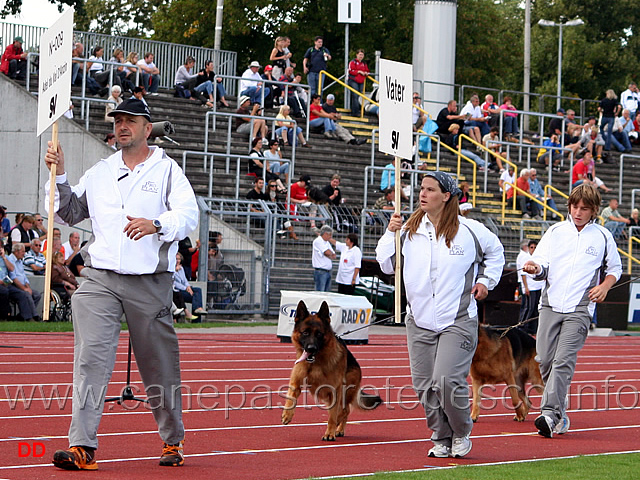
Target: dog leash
349 332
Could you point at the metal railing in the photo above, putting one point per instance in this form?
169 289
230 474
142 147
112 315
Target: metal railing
633 197
526 194
552 188
622 158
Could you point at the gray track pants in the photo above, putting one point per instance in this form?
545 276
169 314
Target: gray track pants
560 337
97 307
440 363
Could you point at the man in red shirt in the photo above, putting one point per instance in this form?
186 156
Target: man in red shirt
528 207
299 197
579 174
13 62
358 72
318 117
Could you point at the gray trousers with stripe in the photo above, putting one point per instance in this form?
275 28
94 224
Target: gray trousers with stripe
98 305
560 337
440 363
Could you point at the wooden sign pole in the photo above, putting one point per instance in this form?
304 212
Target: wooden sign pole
49 252
398 273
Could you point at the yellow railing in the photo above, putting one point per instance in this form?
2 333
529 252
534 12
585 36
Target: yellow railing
551 187
362 95
629 255
528 195
482 147
455 152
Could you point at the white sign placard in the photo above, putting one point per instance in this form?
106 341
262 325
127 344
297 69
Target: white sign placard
54 78
349 11
634 303
396 131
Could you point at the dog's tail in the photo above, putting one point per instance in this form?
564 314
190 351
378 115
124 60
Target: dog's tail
367 401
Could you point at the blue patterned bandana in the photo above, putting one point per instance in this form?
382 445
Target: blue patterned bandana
447 182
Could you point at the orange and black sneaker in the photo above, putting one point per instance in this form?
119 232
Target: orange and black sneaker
172 455
76 458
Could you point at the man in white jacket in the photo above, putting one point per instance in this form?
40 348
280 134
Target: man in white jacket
580 262
140 204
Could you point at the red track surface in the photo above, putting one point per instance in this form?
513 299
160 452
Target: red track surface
233 408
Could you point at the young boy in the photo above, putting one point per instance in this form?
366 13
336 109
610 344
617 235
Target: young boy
572 257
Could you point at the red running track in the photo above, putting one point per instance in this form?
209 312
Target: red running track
233 397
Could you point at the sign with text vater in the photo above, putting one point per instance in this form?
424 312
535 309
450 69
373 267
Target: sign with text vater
396 131
54 77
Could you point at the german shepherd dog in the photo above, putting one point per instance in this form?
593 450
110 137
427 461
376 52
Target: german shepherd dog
332 373
510 360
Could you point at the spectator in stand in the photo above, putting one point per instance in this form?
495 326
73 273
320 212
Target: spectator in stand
556 124
537 191
634 223
5 223
72 247
150 73
5 280
110 139
77 263
206 80
256 166
14 60
97 70
272 196
507 177
274 160
77 65
447 116
630 98
342 217
475 124
39 227
57 246
490 110
257 193
613 221
610 108
22 232
34 260
243 124
545 154
388 177
184 292
10 291
62 275
251 83
464 195
574 130
626 122
340 132
418 118
315 60
321 259
349 265
285 128
279 57
528 207
386 201
510 125
490 141
287 43
358 72
126 84
594 143
187 249
319 118
29 302
185 76
452 141
300 198
274 97
584 172
131 68
116 98
620 137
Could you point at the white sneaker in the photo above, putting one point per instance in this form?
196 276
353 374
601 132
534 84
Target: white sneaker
461 446
545 426
563 425
440 450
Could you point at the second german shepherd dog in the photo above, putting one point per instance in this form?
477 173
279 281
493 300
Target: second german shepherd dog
332 373
509 359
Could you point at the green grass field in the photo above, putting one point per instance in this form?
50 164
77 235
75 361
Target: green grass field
614 467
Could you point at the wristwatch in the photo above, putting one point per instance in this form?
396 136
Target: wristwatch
157 224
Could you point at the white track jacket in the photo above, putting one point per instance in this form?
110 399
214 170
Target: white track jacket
159 191
438 280
571 263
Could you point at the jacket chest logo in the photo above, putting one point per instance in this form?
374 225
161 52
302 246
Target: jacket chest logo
456 250
591 251
150 187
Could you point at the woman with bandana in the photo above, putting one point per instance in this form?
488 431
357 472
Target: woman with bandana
448 263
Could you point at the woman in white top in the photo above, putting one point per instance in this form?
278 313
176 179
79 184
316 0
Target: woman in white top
449 262
96 68
349 266
116 98
274 155
285 129
131 69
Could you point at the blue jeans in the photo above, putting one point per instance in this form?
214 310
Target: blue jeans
152 87
355 99
255 93
483 126
312 80
195 300
322 279
614 227
480 161
288 131
277 167
323 121
621 141
607 134
511 125
205 87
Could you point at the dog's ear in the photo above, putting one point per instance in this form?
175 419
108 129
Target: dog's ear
301 311
323 313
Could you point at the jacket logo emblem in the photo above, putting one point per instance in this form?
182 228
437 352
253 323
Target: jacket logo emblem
466 345
456 250
150 187
591 251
